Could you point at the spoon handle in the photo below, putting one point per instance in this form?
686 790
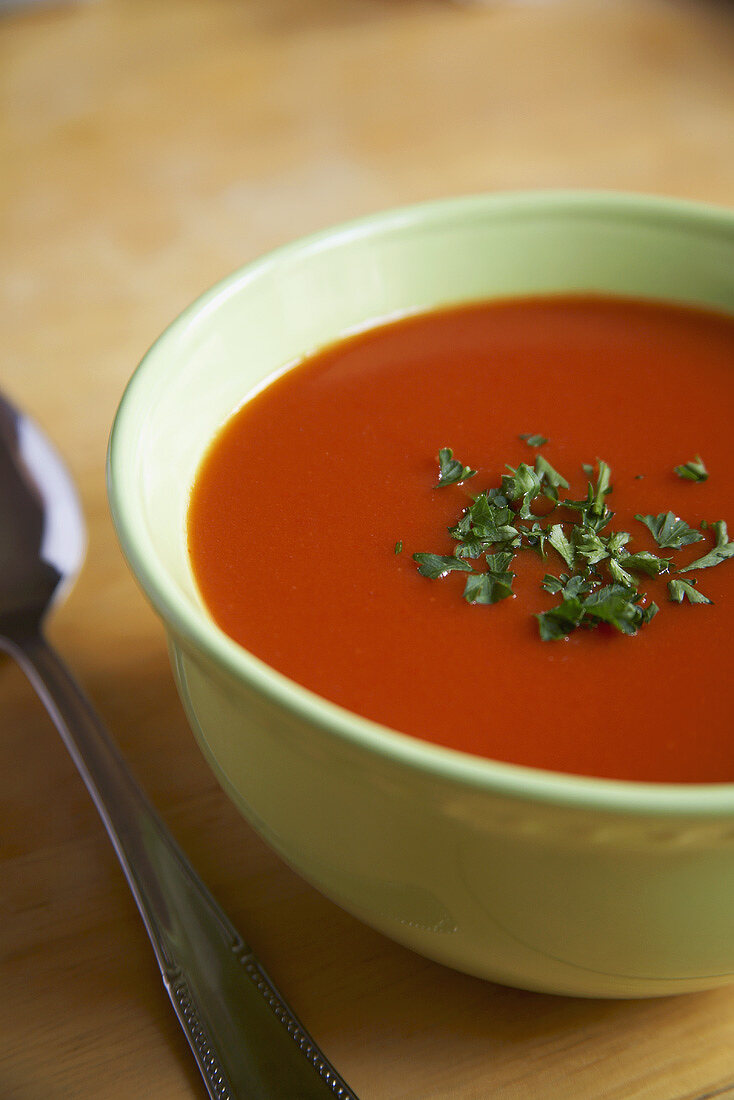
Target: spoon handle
246 1040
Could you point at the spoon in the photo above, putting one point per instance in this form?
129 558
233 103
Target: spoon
246 1040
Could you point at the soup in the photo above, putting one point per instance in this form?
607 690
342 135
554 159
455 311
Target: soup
312 500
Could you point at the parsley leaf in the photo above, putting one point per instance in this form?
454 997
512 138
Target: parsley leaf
615 604
574 585
603 488
619 574
450 470
491 520
678 589
497 563
594 513
554 585
435 566
486 588
589 545
649 612
493 586
550 479
486 521
645 562
693 470
399 546
560 621
617 541
560 543
720 552
670 532
535 537
534 440
524 483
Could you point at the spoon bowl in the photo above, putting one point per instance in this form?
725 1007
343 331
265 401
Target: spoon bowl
42 549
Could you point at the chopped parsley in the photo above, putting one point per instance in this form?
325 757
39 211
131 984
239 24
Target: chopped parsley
435 566
601 578
450 470
550 480
523 485
560 621
693 470
569 585
561 544
679 590
669 531
534 440
722 549
492 586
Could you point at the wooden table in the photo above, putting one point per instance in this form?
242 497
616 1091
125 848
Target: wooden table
146 150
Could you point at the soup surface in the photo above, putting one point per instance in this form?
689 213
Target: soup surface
304 494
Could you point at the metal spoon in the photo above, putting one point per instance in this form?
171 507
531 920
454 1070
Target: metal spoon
246 1040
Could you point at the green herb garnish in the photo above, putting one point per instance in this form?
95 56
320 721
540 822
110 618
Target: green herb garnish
521 484
569 585
618 605
399 546
487 521
594 514
722 550
589 545
560 621
550 480
602 489
620 575
601 584
561 544
492 586
534 440
678 590
645 562
670 532
435 566
450 470
693 470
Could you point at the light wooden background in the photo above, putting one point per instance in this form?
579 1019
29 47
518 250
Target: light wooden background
147 147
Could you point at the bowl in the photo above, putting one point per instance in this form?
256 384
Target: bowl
531 878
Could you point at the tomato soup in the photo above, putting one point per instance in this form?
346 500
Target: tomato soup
313 498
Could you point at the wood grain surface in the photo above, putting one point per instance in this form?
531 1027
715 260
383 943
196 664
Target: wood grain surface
146 149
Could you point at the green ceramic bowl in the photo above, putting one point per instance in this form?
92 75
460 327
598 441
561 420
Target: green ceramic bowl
532 878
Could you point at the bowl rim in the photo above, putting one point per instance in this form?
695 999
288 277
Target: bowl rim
195 627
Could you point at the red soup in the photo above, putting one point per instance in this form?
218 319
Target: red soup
313 499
